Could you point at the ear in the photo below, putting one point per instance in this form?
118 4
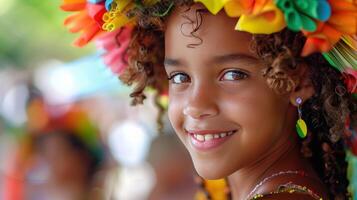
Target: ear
304 87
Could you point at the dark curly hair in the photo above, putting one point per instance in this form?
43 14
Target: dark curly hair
325 113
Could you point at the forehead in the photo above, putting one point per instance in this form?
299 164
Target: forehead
207 33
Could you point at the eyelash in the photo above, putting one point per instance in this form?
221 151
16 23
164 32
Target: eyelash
242 75
172 76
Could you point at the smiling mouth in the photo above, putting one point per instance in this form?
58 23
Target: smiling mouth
203 136
206 140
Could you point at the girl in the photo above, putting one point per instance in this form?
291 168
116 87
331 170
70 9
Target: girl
241 92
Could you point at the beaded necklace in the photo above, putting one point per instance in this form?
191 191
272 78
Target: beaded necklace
289 187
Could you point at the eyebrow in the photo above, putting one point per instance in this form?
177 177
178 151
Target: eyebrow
171 62
232 57
227 58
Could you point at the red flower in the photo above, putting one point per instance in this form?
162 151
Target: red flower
115 45
351 80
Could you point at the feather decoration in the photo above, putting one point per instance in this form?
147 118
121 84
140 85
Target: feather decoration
344 54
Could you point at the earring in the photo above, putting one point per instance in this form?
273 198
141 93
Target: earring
301 127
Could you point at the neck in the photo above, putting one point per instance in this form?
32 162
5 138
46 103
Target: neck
277 159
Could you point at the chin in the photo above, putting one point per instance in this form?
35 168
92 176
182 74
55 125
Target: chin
210 171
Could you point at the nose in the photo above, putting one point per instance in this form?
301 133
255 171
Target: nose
201 104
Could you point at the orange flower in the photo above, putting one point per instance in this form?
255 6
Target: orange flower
87 20
73 5
343 21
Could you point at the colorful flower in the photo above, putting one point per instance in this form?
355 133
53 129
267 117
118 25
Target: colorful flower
255 16
117 14
302 15
236 8
214 6
73 5
343 21
115 44
351 80
323 22
87 20
263 18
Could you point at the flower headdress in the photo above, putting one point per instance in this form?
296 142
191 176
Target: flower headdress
330 26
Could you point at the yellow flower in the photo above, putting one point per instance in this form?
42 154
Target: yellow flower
214 6
255 16
236 8
264 18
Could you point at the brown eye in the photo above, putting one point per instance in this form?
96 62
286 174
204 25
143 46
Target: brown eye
179 78
234 75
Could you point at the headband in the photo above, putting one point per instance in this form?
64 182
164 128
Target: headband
330 26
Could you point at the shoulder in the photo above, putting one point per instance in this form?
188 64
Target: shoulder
286 195
292 187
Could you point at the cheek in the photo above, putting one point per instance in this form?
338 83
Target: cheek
176 118
253 109
259 112
175 113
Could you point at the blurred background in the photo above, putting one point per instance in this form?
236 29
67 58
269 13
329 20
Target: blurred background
67 130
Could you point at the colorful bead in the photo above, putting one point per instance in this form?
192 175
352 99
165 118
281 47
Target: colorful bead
301 128
299 100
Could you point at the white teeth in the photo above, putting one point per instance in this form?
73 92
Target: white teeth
223 134
208 137
200 138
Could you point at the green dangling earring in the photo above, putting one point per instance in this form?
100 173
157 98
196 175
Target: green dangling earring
301 127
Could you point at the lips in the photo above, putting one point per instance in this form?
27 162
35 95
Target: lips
208 139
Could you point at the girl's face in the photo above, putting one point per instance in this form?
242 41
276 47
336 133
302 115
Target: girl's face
220 105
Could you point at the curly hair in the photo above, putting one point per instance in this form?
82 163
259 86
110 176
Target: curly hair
325 112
